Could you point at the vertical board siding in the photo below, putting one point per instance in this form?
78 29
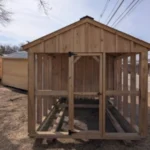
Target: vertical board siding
79 39
66 41
86 38
50 45
109 42
86 75
31 95
45 82
110 72
0 67
123 45
39 87
94 39
125 86
119 82
133 88
70 92
144 94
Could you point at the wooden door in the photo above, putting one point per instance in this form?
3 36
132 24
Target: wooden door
86 89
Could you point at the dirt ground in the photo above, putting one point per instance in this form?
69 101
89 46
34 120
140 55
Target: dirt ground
14 136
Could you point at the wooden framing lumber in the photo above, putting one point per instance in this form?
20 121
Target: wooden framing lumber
95 58
84 106
117 92
76 59
114 122
39 87
88 135
58 120
70 92
133 87
125 85
104 93
143 107
100 96
51 93
86 93
31 96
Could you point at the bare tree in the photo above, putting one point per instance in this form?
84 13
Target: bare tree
5 15
44 5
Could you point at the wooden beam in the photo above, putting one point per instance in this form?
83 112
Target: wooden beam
125 86
117 92
84 106
122 136
59 119
119 79
77 58
70 92
46 119
104 94
45 83
39 87
95 58
100 96
122 121
31 96
86 93
115 82
51 93
143 110
88 54
114 122
133 88
88 135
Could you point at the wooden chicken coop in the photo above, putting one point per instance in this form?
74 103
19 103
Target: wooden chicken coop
80 86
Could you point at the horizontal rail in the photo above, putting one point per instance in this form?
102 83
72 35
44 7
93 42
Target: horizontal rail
122 136
84 106
88 135
114 93
82 134
88 54
51 93
86 93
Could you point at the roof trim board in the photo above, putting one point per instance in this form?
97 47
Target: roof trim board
90 21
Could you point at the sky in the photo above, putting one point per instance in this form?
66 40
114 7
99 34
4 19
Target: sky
29 22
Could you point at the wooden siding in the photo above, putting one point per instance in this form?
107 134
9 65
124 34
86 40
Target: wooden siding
15 73
87 38
86 72
0 67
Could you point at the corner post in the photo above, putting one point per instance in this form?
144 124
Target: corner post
143 107
31 96
70 92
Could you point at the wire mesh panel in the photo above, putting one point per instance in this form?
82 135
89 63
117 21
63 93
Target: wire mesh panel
123 99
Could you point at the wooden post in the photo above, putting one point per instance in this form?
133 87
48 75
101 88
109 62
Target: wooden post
70 92
45 82
119 86
31 96
143 122
125 85
100 97
39 87
104 94
133 88
115 82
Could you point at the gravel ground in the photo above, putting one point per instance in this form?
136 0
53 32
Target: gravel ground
13 129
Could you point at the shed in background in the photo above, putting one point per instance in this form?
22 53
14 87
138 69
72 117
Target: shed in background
15 70
0 67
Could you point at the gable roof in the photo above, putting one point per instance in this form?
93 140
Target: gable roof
84 20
